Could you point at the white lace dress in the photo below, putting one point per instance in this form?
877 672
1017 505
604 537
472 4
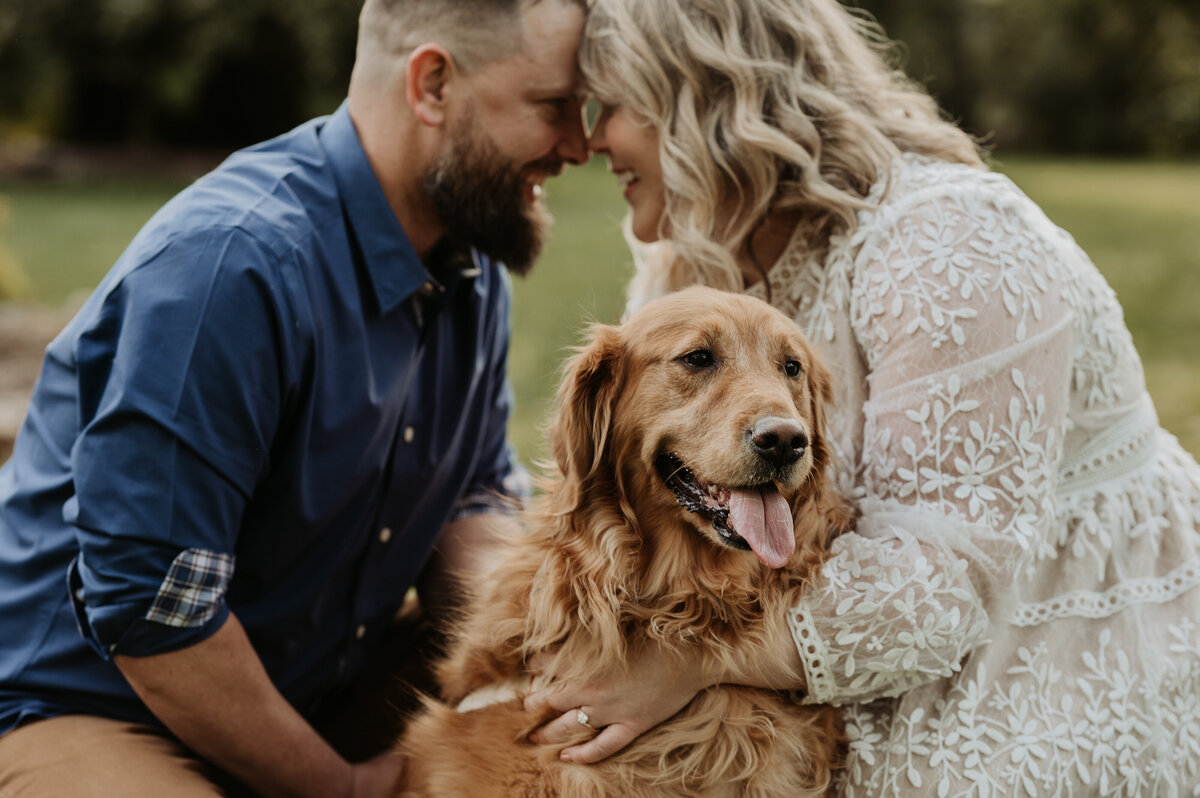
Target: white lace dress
1016 613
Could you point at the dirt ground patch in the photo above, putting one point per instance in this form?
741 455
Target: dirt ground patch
24 333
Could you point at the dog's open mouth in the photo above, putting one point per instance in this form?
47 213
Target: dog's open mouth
750 518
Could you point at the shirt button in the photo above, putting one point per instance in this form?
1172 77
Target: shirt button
426 289
408 434
385 534
360 632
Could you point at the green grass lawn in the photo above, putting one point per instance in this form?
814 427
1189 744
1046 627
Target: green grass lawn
1140 222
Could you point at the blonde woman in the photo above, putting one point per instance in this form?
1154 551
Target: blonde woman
1013 614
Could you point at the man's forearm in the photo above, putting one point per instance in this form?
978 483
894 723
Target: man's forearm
217 698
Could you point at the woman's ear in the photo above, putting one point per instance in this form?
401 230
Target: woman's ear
430 69
586 402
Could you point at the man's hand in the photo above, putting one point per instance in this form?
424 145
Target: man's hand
378 777
217 698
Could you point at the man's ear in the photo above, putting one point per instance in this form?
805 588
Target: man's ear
430 69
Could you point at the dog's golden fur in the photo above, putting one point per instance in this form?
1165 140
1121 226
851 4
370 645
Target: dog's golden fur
612 559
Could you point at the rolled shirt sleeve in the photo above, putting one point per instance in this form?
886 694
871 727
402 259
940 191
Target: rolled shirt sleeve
180 386
261 410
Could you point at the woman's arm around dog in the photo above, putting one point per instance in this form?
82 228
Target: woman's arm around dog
652 689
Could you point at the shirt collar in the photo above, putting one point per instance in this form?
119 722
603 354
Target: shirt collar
392 264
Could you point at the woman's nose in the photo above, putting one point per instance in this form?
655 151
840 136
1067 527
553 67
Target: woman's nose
596 139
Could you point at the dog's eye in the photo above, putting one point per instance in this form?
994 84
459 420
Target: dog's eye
699 359
792 368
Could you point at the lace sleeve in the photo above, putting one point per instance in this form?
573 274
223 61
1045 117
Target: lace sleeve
967 343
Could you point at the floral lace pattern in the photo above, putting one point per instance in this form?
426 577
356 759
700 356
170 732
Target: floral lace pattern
1011 616
1120 732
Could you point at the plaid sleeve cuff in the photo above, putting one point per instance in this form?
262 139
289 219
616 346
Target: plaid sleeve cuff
193 590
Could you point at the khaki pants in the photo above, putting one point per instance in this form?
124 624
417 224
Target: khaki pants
80 756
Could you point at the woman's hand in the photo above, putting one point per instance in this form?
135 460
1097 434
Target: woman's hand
621 706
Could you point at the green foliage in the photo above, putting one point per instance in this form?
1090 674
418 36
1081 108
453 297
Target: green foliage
1107 76
217 72
13 282
580 279
68 234
1078 76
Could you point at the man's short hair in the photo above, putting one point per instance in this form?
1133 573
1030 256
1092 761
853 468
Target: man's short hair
474 31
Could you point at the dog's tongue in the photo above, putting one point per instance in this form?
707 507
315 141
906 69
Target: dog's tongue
763 519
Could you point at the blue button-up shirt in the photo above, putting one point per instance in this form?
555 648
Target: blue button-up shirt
270 406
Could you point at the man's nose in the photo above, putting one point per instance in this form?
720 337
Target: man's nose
573 141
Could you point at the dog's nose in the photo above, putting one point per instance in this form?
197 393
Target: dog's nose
779 441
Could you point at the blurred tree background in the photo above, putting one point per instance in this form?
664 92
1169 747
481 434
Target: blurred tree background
108 107
1096 77
195 73
1117 77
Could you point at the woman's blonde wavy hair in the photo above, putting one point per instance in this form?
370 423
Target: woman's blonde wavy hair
761 107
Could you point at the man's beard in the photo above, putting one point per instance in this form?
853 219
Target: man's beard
479 196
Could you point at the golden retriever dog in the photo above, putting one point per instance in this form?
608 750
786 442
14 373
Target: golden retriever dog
690 503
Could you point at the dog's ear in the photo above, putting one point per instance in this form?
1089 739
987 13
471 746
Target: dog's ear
832 516
820 394
587 398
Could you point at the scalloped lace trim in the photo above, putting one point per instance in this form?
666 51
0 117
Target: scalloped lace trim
1123 448
814 655
1089 604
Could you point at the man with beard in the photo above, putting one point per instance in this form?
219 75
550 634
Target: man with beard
242 451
